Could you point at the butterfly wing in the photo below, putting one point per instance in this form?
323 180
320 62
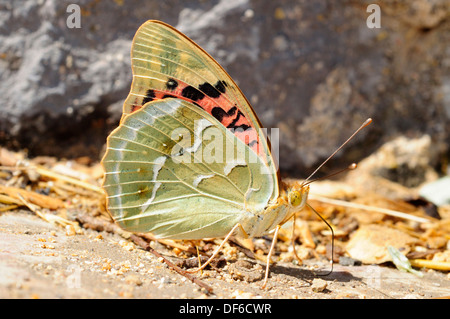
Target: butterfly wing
174 170
166 63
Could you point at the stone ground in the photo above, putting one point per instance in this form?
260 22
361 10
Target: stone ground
41 260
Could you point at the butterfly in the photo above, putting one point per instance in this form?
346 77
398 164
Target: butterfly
189 159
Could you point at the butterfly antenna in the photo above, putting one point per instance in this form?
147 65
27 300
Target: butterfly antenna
350 167
307 181
367 122
332 240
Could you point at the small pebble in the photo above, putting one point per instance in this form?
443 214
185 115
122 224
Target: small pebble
318 285
133 280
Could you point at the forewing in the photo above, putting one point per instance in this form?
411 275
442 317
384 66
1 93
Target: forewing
166 63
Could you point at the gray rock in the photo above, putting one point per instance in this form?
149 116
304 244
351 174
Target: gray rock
313 69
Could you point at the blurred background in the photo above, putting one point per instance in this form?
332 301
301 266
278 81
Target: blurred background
314 69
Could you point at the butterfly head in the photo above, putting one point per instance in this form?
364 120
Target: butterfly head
297 196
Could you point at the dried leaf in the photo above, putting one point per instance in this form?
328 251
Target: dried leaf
369 243
32 197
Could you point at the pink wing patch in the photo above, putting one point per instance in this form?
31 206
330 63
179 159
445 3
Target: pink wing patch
212 99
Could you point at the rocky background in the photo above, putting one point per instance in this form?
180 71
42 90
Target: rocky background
314 69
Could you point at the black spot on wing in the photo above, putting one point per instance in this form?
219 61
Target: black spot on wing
213 91
209 90
220 86
171 84
233 125
149 96
220 113
192 93
165 96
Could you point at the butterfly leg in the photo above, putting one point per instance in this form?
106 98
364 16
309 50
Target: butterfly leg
216 252
300 261
275 235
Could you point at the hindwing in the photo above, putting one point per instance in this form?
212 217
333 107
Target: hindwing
174 170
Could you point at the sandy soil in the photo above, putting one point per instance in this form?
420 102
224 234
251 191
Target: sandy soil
41 260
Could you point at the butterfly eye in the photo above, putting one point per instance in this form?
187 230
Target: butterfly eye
298 197
295 198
